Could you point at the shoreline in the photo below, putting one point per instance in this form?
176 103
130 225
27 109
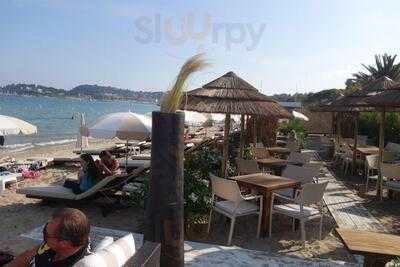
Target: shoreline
52 150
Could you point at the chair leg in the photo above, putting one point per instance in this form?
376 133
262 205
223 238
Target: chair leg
231 231
260 220
270 224
209 222
366 186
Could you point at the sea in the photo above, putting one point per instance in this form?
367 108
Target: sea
58 119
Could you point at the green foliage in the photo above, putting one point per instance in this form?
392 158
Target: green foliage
293 125
393 263
139 195
369 125
197 188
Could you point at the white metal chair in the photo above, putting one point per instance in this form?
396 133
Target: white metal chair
247 166
371 169
234 204
298 207
347 158
298 158
301 174
391 174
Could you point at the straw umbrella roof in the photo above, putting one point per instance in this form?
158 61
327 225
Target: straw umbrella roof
231 94
356 101
388 99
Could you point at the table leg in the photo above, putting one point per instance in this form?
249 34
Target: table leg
266 213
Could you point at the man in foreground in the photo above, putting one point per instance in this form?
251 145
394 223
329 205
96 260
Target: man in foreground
65 242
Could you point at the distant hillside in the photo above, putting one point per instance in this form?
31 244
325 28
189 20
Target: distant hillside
306 99
82 91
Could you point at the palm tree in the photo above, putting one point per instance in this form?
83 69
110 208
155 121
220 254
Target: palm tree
384 66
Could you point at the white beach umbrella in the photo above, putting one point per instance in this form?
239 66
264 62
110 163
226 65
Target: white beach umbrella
194 118
124 125
11 126
300 116
82 139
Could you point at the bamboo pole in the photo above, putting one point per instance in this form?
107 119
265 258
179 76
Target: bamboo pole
381 144
355 142
241 151
225 152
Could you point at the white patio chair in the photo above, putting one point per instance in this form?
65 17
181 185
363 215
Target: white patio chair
298 207
301 174
371 169
298 158
347 158
234 204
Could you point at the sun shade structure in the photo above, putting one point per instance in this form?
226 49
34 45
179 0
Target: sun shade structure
124 125
388 99
230 94
12 126
355 102
374 96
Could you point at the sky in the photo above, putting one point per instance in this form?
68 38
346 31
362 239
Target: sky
278 46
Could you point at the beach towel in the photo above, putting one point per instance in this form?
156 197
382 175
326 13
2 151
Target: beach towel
28 174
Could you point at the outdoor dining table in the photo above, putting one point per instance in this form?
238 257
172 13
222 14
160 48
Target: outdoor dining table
377 248
366 150
279 150
265 184
275 164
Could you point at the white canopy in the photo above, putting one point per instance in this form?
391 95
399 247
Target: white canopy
194 118
11 125
124 125
299 115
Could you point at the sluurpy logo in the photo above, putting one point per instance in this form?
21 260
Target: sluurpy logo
158 29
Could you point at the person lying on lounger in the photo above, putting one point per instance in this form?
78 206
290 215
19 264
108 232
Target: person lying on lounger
107 165
65 242
87 177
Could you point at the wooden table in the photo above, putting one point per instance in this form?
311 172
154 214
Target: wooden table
265 184
376 247
366 150
273 163
279 150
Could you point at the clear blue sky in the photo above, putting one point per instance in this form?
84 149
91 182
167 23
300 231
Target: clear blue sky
302 45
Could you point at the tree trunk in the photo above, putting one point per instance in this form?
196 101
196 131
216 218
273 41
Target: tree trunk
225 153
164 213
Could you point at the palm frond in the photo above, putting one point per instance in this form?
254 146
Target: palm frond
172 99
384 66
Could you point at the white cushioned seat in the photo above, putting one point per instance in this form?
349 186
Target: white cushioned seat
115 255
294 209
243 208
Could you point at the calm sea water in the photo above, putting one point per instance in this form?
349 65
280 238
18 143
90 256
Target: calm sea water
55 118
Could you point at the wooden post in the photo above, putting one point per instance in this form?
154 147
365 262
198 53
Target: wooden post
225 153
339 128
254 117
381 145
164 212
241 151
355 142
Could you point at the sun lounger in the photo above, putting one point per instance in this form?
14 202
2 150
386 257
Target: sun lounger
146 156
7 177
105 186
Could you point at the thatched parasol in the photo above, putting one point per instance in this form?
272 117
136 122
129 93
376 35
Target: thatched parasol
371 97
230 94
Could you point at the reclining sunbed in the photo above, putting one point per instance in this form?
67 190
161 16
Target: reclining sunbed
106 186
